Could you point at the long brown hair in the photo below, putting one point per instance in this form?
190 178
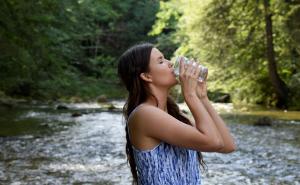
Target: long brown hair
131 64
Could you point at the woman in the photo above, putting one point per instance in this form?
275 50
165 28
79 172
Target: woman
162 144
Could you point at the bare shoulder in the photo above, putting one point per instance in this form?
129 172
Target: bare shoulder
148 119
140 125
144 110
144 114
147 112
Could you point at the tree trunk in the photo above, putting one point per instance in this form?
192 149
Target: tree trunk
279 86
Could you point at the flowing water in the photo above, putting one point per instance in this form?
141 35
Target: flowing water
42 145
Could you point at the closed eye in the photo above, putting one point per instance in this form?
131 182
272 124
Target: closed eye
161 60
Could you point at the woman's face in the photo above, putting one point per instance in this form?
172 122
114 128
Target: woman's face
161 70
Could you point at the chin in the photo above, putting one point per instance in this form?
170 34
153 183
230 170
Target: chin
175 82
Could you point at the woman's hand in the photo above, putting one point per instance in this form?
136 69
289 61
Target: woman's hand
188 76
201 90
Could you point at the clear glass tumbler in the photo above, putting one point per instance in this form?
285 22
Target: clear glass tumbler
203 70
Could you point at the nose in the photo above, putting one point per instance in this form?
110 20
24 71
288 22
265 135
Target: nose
170 64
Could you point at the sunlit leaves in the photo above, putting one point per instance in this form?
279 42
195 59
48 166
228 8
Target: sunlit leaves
229 37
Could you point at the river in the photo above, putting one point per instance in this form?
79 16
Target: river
42 145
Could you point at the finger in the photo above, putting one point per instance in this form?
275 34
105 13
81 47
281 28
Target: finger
205 78
189 68
192 65
204 71
197 71
181 66
202 83
194 68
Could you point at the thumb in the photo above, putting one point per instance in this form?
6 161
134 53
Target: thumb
181 64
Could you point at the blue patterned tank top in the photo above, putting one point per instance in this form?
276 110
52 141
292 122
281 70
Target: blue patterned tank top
167 165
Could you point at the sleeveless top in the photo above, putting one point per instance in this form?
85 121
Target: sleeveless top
167 164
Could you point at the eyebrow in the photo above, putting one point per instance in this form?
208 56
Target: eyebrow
160 57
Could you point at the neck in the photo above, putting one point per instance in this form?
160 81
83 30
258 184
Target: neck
161 98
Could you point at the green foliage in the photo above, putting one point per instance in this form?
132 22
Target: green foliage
53 48
165 28
229 38
106 67
72 85
294 90
37 40
293 26
57 49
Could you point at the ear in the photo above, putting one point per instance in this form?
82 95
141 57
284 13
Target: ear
146 77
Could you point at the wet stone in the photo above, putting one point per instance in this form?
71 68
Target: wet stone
263 121
61 107
3 177
76 114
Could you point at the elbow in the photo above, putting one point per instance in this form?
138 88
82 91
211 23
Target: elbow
233 148
213 145
228 149
218 145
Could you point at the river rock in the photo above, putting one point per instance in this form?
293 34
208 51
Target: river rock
2 176
76 99
102 99
223 99
61 107
45 125
76 114
8 103
263 121
111 107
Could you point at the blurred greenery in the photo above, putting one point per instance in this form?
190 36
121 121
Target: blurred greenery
65 49
230 38
53 49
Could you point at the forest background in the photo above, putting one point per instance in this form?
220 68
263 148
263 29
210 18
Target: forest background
54 50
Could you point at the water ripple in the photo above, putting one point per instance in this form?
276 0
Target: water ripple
90 150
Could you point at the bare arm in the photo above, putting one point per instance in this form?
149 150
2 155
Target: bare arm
150 122
203 120
229 145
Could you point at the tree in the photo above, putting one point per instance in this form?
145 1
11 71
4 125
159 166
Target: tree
279 85
228 36
47 46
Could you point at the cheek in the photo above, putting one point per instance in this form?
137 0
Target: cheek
164 77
